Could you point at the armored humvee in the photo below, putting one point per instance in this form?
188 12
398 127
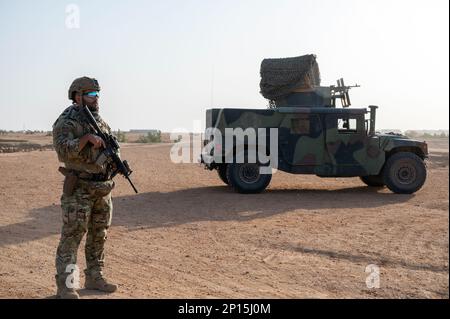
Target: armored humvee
304 132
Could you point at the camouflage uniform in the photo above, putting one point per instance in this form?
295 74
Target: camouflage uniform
89 207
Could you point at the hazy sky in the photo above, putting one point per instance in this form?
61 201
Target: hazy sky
161 64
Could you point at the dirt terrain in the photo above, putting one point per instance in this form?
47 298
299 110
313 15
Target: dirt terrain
186 235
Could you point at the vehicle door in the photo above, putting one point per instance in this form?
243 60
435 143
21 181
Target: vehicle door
301 139
345 136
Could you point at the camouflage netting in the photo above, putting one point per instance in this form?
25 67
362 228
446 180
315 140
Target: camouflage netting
279 77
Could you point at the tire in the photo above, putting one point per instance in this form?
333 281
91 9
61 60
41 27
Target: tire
404 173
373 180
245 178
222 172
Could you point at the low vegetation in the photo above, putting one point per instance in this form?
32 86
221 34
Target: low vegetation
121 136
150 137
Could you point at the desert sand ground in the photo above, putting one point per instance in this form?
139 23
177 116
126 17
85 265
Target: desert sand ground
186 235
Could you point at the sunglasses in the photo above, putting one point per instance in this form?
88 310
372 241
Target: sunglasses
92 94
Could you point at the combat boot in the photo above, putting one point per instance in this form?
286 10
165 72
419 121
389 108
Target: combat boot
99 283
63 292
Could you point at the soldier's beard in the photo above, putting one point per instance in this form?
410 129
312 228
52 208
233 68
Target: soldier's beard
92 105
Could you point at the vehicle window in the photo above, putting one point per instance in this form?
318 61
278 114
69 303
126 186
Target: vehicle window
346 125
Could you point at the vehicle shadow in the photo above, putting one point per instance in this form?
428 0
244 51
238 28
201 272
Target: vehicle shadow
220 203
216 203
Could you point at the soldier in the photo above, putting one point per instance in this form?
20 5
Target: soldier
86 200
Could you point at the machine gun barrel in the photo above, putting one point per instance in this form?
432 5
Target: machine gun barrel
341 91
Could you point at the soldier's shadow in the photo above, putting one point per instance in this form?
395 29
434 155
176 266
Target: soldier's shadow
216 203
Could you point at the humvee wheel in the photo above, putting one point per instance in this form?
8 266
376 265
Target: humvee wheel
222 172
245 178
373 180
404 173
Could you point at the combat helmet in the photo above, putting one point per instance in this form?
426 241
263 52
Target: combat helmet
83 84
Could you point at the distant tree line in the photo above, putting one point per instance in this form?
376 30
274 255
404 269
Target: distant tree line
150 137
414 134
3 132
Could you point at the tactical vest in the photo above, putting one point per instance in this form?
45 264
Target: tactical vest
67 129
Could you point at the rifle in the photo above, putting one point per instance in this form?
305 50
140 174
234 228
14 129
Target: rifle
111 149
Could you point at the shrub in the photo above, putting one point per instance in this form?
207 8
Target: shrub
151 137
121 137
